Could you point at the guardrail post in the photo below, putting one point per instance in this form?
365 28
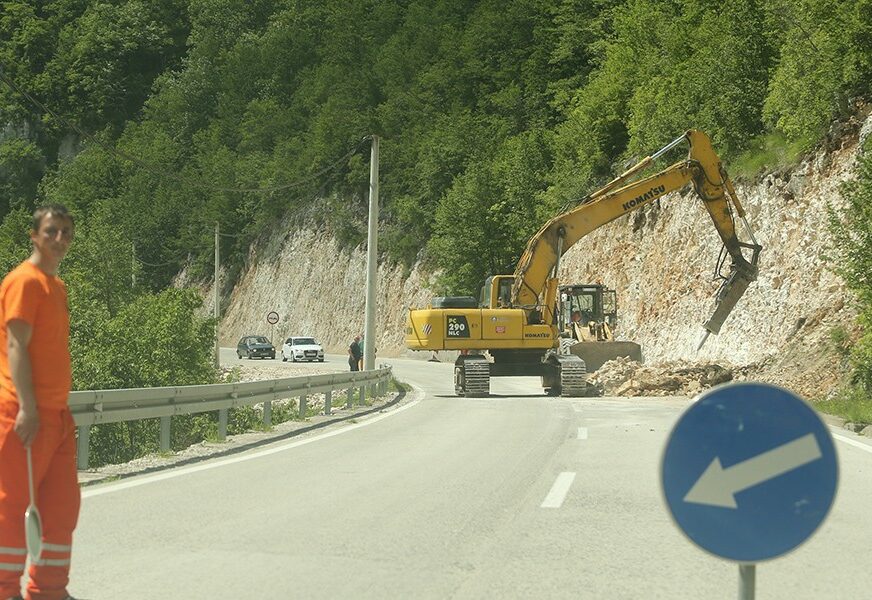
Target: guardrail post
303 407
222 424
165 434
350 402
363 395
267 413
83 446
328 400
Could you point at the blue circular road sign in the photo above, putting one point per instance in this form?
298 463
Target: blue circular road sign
749 471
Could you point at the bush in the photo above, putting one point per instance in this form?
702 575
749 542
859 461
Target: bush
157 340
852 252
852 403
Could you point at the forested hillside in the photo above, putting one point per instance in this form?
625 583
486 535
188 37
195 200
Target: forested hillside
153 120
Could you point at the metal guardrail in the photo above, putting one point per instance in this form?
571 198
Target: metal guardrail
113 406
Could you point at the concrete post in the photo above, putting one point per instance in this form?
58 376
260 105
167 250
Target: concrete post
222 424
370 334
83 447
165 433
217 311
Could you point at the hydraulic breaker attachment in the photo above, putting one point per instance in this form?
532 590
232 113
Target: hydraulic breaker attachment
729 294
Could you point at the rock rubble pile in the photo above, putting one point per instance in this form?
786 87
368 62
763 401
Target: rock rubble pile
625 377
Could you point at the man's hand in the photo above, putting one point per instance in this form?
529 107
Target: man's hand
26 426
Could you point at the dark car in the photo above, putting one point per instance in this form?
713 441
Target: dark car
255 346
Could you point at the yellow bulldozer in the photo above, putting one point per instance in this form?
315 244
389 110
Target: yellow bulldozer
514 327
588 318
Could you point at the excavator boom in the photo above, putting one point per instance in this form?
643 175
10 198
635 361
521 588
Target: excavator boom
702 168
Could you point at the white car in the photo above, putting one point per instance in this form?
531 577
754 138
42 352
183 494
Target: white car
302 348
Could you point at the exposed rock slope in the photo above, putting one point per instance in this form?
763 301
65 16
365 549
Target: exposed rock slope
660 260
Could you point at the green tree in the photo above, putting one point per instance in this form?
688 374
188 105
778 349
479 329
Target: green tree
852 236
486 218
21 167
15 245
155 340
107 59
825 58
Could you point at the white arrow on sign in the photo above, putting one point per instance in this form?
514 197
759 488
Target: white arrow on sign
717 486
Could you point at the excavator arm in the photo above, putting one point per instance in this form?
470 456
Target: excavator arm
535 288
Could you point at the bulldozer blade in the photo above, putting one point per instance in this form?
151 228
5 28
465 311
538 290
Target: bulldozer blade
596 354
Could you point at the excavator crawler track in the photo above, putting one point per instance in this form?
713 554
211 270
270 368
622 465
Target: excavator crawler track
472 377
573 377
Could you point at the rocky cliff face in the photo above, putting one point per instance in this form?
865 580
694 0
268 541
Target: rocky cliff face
660 260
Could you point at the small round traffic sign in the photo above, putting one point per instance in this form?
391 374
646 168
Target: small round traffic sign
749 471
272 318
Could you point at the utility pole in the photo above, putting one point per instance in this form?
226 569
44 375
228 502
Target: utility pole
371 261
217 311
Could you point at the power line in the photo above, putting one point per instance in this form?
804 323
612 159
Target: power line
160 173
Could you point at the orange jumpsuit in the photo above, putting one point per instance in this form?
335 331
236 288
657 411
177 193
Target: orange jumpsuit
31 295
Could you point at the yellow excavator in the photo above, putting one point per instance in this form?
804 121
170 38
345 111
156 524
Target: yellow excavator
514 328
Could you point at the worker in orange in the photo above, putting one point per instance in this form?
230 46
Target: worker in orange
35 382
575 325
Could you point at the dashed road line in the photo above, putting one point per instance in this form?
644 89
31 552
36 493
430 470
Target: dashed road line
558 492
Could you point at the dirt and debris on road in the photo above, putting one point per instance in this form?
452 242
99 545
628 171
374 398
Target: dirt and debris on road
813 374
626 377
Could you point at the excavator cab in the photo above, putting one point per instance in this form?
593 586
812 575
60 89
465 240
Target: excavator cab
497 292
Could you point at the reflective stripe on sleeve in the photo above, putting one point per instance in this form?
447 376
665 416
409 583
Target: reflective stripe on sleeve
13 551
15 567
52 562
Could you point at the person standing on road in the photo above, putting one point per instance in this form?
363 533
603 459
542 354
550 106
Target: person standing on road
355 354
35 382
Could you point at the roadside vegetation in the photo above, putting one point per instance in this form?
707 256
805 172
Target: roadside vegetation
852 254
155 120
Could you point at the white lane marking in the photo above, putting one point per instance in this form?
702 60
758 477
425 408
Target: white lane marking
99 490
582 433
558 492
851 442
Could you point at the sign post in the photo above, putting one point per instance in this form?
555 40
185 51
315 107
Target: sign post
272 318
749 473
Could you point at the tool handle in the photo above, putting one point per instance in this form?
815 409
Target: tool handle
30 477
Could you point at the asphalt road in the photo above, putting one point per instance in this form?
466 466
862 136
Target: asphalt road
512 496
